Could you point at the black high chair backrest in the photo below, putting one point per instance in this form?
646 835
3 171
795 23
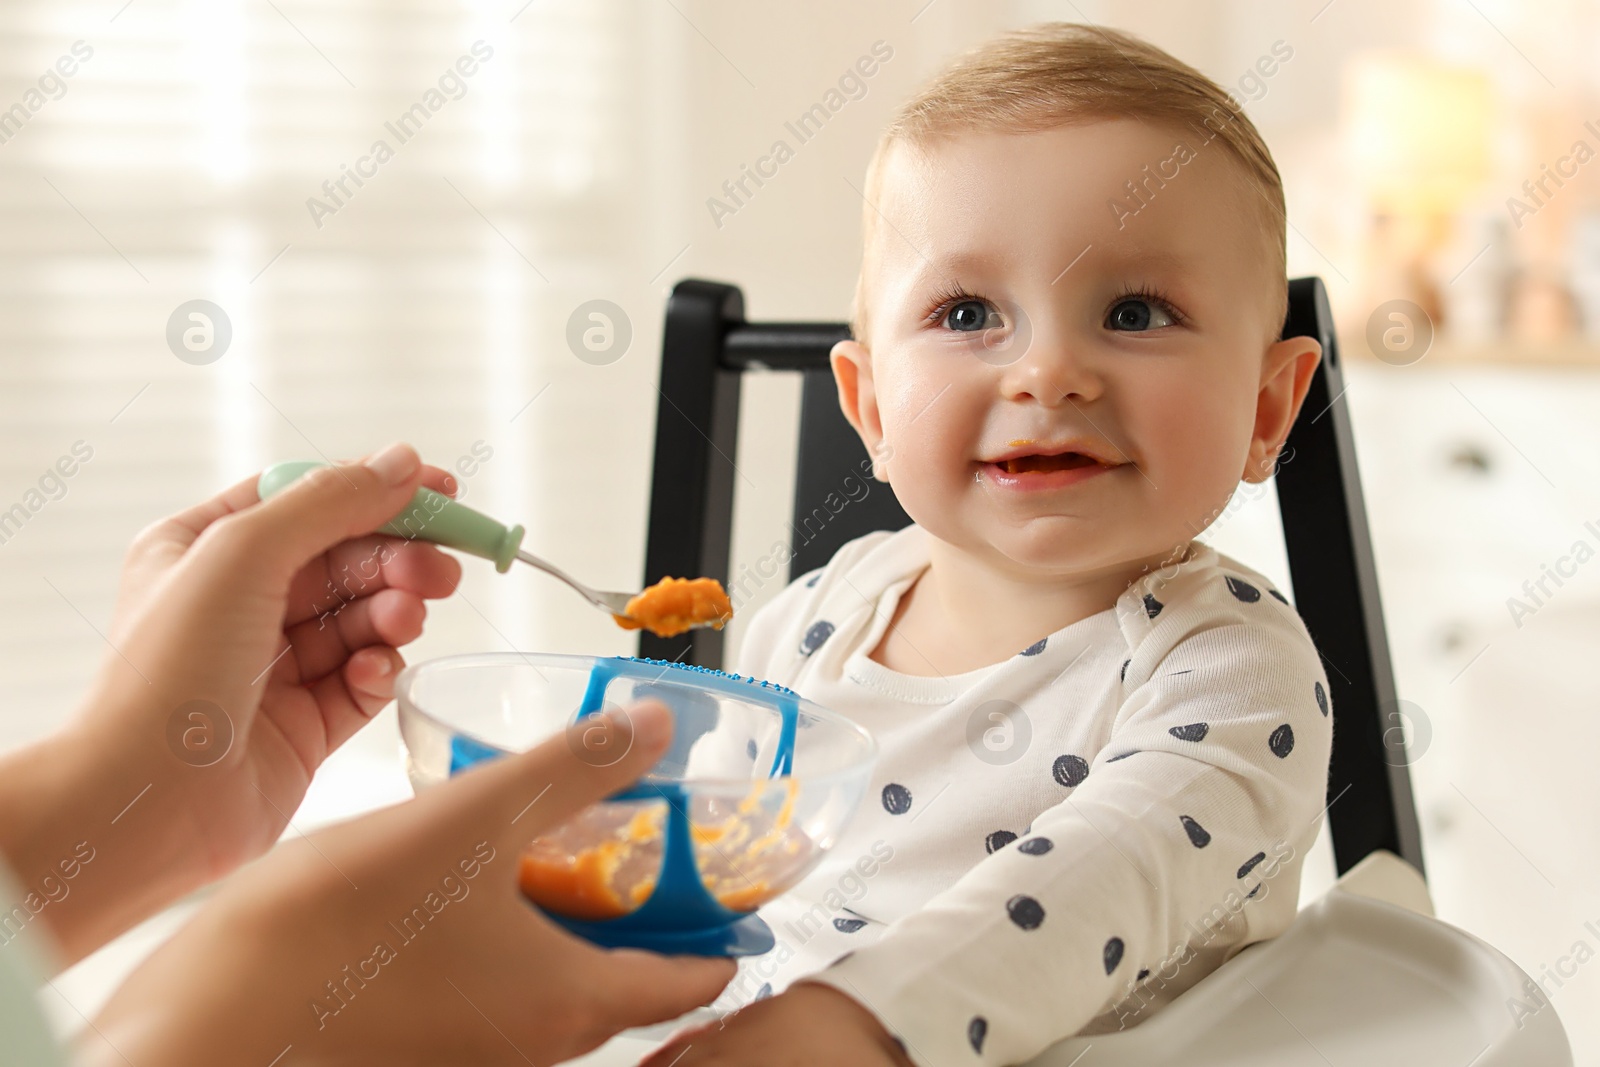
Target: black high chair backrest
708 347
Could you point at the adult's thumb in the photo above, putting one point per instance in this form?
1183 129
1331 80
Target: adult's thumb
644 988
328 505
514 798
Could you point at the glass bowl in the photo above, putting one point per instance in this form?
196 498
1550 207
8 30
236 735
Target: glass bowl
757 784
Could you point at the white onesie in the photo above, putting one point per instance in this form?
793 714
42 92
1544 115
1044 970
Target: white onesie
1060 843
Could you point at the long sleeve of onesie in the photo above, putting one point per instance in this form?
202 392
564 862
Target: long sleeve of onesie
1182 794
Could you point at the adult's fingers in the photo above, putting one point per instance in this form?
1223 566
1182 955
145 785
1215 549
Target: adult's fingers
388 617
369 676
183 527
348 698
326 506
362 566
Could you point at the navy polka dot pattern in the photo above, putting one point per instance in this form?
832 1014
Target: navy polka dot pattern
896 799
1243 590
812 581
1113 954
819 632
750 748
1025 911
1070 771
1197 833
999 840
1221 626
763 993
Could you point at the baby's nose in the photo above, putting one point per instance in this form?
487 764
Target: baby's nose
1051 370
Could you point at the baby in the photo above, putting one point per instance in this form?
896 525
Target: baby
1104 746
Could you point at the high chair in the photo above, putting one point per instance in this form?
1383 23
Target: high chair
1365 975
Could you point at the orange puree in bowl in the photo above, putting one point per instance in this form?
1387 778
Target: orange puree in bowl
603 864
581 890
675 605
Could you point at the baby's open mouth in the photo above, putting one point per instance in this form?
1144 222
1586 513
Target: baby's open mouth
1066 461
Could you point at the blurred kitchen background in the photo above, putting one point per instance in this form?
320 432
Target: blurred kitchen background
1439 163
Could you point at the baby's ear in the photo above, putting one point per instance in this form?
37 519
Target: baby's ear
1285 377
852 372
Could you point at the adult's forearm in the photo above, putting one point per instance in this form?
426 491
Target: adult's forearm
95 835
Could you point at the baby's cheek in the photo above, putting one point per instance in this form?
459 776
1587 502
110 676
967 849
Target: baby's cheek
1194 463
926 478
928 462
926 416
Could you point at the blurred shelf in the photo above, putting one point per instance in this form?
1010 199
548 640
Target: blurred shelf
1567 352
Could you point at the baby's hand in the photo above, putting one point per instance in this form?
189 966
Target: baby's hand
809 1024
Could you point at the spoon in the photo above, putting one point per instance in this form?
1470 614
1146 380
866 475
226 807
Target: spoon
432 516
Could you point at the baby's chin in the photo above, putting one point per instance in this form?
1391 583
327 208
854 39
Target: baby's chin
1050 548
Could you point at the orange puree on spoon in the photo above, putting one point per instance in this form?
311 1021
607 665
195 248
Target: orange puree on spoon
675 605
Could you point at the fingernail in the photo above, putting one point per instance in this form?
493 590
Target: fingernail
384 666
394 464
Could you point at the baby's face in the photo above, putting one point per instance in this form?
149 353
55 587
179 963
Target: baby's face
1057 389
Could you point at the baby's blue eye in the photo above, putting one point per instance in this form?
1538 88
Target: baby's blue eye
1135 314
967 316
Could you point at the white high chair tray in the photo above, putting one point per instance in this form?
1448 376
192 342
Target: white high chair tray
1353 982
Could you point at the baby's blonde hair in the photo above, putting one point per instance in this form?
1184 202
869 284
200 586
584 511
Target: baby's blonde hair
1058 73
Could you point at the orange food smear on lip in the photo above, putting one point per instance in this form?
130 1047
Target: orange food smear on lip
675 605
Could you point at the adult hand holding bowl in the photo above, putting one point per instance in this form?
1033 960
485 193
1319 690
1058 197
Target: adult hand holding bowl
401 937
758 784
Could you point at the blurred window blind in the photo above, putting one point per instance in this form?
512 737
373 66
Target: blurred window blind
175 163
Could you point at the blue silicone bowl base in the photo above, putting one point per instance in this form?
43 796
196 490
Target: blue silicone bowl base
749 936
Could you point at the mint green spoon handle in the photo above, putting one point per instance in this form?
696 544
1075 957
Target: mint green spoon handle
430 516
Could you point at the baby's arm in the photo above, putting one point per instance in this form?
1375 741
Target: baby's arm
1214 773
